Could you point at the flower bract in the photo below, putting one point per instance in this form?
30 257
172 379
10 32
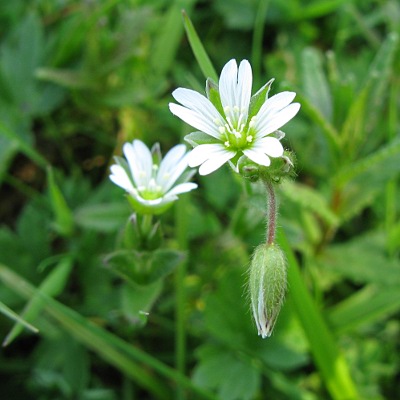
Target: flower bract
153 183
231 123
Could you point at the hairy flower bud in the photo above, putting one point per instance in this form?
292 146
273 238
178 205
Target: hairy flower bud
267 286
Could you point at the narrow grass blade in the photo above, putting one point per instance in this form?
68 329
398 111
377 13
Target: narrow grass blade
51 286
14 316
198 49
328 358
23 147
169 36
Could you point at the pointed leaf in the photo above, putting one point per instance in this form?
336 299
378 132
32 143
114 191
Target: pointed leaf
64 222
309 199
316 87
14 316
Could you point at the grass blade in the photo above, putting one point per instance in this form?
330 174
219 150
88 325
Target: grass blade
169 36
14 316
51 286
199 52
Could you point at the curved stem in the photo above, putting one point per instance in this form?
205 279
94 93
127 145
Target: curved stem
272 211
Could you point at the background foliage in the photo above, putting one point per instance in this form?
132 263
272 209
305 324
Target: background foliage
78 79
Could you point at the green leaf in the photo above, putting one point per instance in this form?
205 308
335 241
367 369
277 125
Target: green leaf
15 138
353 132
67 78
316 87
221 370
102 217
144 268
52 285
379 76
316 9
64 222
309 199
137 301
367 305
318 118
360 183
198 49
363 259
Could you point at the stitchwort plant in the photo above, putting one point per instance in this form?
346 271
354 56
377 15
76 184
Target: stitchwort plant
244 130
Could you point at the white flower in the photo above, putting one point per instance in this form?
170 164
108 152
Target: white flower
235 123
150 180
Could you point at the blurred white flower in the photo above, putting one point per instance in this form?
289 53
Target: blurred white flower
235 123
152 183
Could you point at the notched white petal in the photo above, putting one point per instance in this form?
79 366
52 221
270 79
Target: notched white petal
245 82
228 84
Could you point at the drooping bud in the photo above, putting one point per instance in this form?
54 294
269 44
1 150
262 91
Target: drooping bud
267 285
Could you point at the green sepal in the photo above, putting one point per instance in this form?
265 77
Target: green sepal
258 99
213 95
141 208
248 169
281 167
267 286
133 237
197 138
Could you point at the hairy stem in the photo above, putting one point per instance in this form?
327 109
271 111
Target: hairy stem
272 211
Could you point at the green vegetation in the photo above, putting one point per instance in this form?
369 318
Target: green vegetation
120 317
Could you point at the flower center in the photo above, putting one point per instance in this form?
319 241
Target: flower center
152 190
237 132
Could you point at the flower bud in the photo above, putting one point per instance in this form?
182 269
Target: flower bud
267 285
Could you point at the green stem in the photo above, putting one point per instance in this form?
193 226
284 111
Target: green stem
146 225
